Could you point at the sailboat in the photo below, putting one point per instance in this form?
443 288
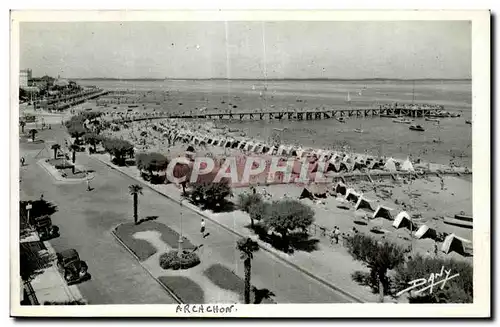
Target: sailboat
348 97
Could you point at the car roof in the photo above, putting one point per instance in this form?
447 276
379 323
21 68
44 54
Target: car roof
68 253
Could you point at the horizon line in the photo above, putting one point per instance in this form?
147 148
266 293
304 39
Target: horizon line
268 79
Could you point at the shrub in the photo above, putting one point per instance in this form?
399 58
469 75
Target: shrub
285 216
379 257
258 211
246 200
456 290
171 260
211 195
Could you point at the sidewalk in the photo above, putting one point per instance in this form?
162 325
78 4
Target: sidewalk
49 285
331 267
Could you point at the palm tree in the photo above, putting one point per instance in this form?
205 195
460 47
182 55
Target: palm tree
135 190
73 148
33 132
22 124
56 148
247 247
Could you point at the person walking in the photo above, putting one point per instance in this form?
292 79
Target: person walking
202 229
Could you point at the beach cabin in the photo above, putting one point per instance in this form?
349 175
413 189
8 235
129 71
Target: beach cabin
235 144
403 220
242 145
384 212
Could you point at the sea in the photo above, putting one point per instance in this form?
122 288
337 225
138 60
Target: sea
448 141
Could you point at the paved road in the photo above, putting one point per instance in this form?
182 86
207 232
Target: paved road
86 218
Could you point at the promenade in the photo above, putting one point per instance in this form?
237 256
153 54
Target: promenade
86 219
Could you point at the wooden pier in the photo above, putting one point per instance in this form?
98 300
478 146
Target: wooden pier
306 115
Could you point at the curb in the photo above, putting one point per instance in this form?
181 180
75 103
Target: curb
261 244
79 296
168 290
58 176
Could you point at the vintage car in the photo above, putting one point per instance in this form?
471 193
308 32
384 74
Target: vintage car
71 267
45 229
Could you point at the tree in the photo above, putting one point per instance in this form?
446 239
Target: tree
378 256
245 200
456 290
75 127
151 162
22 123
118 148
288 215
92 139
247 247
33 133
74 148
135 190
211 195
56 148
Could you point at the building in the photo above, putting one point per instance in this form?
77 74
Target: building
24 77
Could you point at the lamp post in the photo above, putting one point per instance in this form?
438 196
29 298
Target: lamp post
179 253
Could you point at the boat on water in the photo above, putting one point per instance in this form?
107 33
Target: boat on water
358 130
417 128
341 119
402 121
432 119
468 122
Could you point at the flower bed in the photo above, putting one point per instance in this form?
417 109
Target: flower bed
143 249
172 260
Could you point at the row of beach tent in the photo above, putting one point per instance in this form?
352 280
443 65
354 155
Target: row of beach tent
401 220
337 161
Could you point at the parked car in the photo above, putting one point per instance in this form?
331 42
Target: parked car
71 267
45 229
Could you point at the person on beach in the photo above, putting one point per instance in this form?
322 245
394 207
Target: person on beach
337 234
22 161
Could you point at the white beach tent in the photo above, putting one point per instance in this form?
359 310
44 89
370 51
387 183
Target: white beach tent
341 188
453 243
403 221
407 165
364 203
384 212
271 150
352 195
390 165
300 152
248 146
281 150
425 232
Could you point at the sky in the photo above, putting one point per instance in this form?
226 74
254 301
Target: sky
253 50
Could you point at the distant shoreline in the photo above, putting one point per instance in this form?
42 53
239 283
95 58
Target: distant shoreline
278 79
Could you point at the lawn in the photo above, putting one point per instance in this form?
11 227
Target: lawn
142 248
188 291
228 280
